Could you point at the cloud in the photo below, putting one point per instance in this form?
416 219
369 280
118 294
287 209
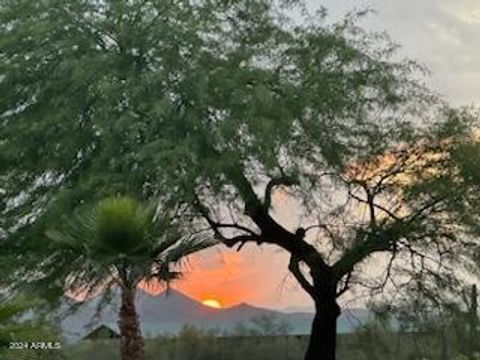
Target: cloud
440 33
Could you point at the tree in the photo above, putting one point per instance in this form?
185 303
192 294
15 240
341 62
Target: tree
120 243
223 105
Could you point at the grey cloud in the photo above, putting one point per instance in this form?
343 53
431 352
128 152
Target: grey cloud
443 34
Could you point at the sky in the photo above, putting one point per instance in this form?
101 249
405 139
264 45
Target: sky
443 35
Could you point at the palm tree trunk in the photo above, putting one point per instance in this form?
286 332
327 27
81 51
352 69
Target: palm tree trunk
132 346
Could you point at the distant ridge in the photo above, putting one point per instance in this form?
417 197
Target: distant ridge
167 313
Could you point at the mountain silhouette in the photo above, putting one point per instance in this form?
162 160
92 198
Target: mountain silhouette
168 312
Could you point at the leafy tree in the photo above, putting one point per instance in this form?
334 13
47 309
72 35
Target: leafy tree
435 328
222 106
122 243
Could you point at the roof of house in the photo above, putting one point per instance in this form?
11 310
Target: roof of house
102 331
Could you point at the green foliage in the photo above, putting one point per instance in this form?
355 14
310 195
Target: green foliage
201 87
115 226
195 344
21 321
434 340
119 239
463 357
372 342
121 224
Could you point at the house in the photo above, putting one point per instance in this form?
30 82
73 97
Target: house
102 331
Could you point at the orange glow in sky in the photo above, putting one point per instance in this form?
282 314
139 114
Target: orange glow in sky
223 276
218 275
256 275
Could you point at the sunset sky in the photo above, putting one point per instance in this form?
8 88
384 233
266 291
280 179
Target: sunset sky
443 34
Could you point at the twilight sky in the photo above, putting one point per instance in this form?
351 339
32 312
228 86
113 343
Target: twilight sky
444 35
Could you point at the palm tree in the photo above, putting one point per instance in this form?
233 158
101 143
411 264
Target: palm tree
121 242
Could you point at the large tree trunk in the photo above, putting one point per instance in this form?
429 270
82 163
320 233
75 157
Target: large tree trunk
131 337
323 337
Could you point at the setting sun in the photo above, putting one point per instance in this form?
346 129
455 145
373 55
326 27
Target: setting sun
212 303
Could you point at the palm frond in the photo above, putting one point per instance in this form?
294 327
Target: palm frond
118 233
186 247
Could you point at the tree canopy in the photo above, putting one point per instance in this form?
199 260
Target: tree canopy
108 95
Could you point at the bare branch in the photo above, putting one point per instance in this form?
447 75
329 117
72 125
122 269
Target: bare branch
281 181
294 267
346 285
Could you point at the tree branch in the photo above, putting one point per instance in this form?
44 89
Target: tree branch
379 240
294 267
284 180
346 285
